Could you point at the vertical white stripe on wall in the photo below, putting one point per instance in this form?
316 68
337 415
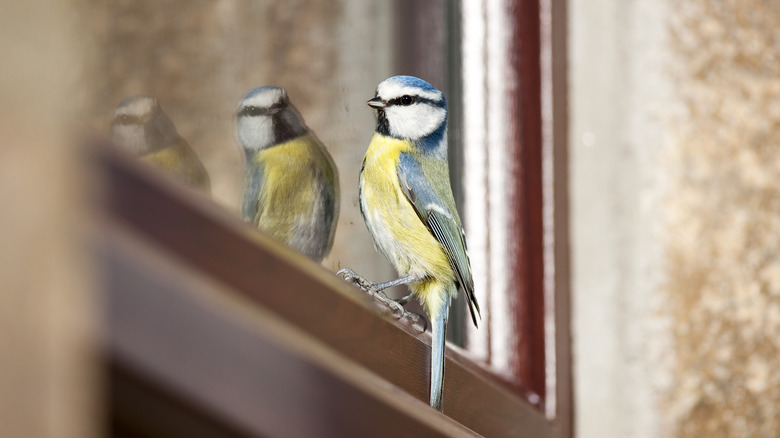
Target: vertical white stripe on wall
475 163
500 184
487 192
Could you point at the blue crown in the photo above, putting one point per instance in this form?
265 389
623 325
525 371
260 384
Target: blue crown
412 81
259 90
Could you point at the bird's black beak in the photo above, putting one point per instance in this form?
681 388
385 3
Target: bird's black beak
377 103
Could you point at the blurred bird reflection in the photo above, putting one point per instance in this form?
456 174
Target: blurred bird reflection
292 184
140 127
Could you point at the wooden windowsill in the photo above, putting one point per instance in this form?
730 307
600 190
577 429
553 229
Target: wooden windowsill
260 340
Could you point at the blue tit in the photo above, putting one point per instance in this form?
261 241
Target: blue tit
292 185
407 204
140 126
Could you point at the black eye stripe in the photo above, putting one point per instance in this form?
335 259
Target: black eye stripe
415 99
125 119
256 111
252 111
404 100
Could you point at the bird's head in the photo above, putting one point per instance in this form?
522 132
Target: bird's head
140 126
408 108
266 117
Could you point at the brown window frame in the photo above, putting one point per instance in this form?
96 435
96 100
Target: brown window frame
503 64
515 138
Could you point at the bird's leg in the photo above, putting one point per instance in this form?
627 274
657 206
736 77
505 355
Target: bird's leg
404 299
377 291
398 282
374 289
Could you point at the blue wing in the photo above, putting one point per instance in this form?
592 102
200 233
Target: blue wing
435 206
254 184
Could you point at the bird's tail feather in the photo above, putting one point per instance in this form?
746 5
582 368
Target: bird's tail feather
438 332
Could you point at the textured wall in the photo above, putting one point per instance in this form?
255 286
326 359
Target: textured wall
676 217
723 286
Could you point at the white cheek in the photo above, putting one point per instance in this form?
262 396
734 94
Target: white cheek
130 138
414 121
255 132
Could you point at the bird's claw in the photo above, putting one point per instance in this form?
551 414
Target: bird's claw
400 313
353 277
397 309
395 306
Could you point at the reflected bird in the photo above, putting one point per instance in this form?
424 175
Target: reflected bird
292 185
141 127
407 204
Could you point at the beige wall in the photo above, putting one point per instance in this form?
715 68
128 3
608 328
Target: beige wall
47 322
676 213
723 275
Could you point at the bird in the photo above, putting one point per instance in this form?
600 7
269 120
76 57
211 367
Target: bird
139 126
407 204
292 183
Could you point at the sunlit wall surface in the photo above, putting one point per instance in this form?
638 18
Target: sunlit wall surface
675 176
724 219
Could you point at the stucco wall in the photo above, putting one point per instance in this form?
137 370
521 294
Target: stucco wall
723 283
676 217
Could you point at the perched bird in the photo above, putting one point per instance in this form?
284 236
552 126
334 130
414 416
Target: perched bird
407 204
292 185
141 127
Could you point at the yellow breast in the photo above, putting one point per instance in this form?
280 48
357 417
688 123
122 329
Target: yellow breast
397 229
293 175
180 161
287 189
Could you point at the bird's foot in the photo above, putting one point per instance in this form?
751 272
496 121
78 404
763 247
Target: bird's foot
353 277
396 306
350 276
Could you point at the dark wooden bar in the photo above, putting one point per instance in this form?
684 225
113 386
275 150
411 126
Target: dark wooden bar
525 109
554 50
213 313
240 370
